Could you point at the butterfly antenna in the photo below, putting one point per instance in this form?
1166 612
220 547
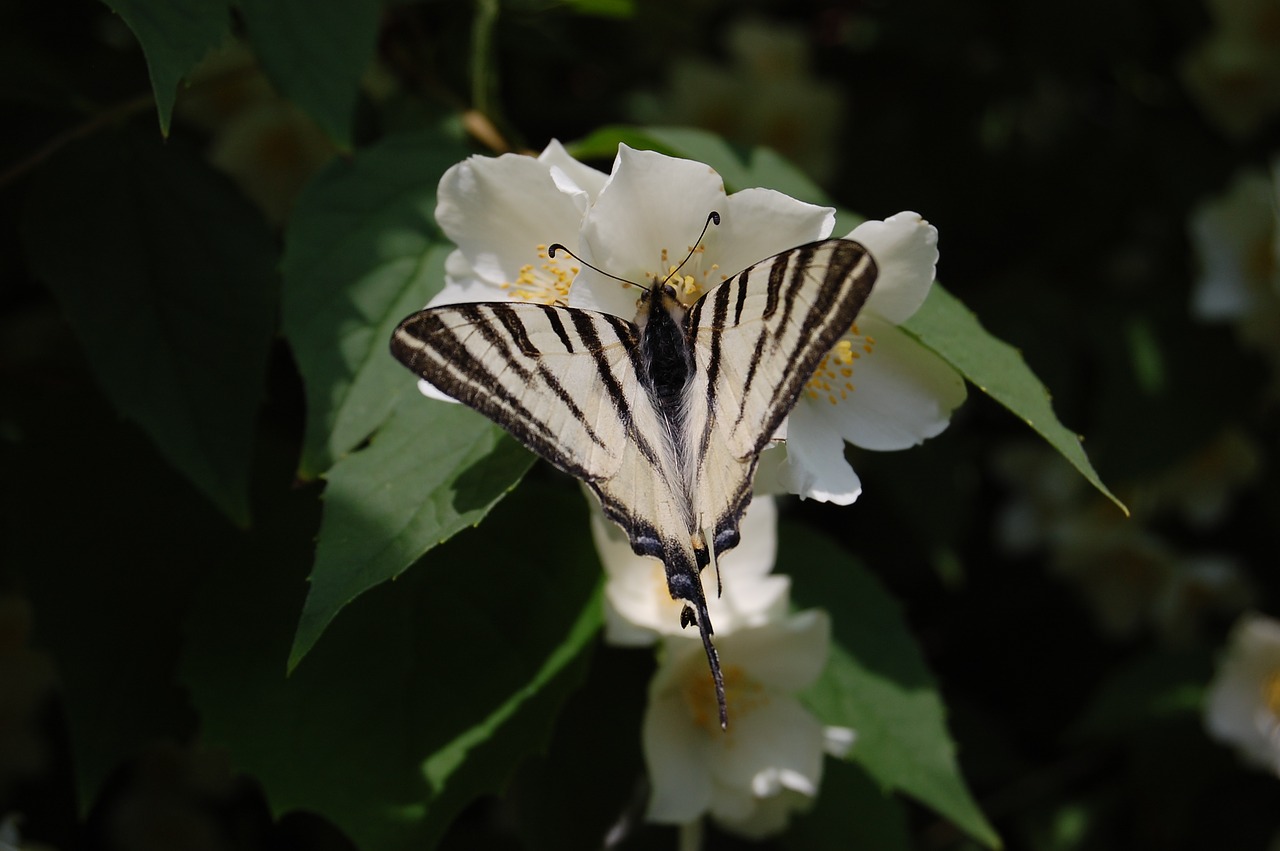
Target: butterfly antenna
551 252
556 246
714 217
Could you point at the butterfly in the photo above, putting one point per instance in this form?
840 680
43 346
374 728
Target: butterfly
663 417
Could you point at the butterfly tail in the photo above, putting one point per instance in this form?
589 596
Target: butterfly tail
684 583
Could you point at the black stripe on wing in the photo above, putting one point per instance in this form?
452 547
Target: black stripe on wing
827 282
485 356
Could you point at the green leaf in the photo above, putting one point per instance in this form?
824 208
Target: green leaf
175 35
109 544
876 682
168 277
433 470
604 8
947 327
483 758
425 694
851 812
564 799
362 251
316 54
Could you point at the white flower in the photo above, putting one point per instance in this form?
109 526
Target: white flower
638 605
878 388
502 213
768 763
640 221
265 143
1237 238
651 210
1243 704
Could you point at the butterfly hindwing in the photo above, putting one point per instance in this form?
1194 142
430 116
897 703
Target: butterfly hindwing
757 339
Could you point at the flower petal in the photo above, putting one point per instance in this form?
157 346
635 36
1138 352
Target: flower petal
645 220
1237 708
813 464
461 285
838 741
499 210
676 754
570 175
903 392
759 223
788 655
426 388
905 248
770 815
1232 234
776 745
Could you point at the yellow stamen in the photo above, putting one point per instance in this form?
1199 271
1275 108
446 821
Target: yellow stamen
546 283
1271 693
837 366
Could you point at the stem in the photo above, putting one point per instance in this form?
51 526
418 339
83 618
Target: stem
484 85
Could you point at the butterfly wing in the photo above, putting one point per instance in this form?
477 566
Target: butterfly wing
565 383
758 337
562 381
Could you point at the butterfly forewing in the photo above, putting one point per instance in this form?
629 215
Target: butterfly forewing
562 381
757 339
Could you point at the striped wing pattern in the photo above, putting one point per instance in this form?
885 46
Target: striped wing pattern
758 337
576 387
562 381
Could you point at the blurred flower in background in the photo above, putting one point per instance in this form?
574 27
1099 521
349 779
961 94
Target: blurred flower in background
765 94
1242 708
1234 74
1237 241
1131 576
265 143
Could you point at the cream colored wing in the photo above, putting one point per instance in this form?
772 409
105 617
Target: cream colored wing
757 339
561 381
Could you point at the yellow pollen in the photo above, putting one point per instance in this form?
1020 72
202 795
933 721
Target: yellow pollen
546 283
741 693
837 367
1271 693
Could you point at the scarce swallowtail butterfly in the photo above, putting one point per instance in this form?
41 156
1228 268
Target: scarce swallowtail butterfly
663 417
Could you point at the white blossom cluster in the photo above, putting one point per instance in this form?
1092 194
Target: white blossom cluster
878 389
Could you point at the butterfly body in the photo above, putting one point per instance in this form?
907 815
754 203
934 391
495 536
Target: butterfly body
664 418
